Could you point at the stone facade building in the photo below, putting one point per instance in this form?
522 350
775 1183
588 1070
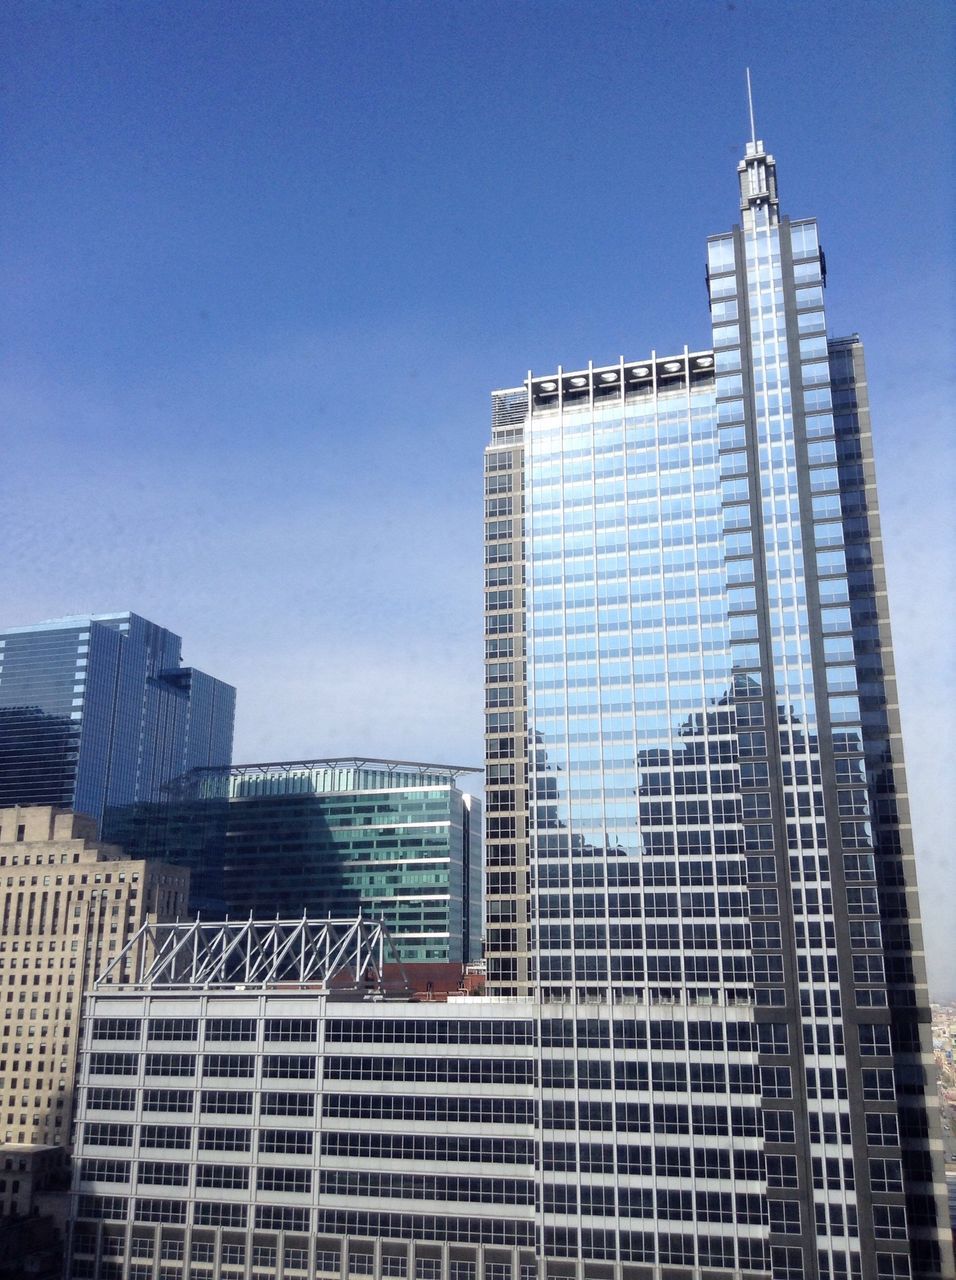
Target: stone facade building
68 905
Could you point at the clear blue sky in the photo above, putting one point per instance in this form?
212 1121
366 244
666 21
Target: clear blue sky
262 264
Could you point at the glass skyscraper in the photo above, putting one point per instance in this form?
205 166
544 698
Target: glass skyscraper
395 840
98 710
696 795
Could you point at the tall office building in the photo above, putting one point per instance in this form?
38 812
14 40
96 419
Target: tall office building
396 840
696 793
99 709
709 1061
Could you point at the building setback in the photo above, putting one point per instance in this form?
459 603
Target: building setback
396 840
68 906
98 710
695 773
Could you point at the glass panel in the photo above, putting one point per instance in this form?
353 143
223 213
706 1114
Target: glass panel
829 534
803 239
720 255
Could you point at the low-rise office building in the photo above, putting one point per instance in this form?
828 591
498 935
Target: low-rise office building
242 1114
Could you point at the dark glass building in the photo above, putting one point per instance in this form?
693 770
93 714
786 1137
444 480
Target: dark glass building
398 841
696 794
98 710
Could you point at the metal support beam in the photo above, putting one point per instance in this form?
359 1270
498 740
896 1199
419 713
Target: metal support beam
341 955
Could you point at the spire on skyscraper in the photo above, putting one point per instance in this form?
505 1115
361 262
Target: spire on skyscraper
750 104
757 170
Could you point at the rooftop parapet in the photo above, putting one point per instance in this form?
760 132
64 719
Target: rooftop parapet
600 385
312 777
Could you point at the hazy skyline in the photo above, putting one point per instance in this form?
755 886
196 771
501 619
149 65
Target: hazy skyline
264 264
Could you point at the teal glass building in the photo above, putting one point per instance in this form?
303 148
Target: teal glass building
696 792
395 840
98 710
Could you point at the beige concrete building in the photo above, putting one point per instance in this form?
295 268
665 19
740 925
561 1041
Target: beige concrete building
68 906
27 1171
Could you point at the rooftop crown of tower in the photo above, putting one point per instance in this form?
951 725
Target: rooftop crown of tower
758 181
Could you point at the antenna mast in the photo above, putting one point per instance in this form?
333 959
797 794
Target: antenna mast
750 103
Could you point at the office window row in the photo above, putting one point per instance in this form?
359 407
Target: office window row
391 1146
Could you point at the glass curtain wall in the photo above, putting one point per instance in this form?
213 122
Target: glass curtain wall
636 837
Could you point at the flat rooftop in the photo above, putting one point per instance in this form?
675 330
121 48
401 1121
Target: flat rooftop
68 623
